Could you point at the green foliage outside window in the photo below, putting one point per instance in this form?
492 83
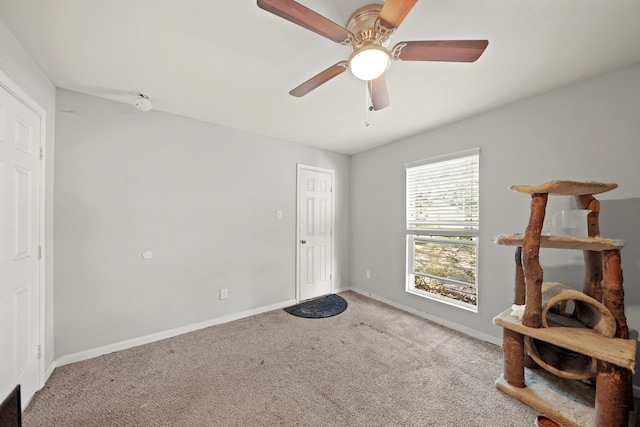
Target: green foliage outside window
454 261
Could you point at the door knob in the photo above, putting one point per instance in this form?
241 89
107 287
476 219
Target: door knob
303 241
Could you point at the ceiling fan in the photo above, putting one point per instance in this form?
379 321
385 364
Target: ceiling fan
368 31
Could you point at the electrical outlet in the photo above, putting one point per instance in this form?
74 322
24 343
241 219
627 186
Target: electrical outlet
224 293
368 274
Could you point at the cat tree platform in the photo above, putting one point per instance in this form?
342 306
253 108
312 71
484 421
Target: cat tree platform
570 403
619 351
563 242
566 188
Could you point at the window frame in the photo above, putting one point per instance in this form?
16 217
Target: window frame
439 234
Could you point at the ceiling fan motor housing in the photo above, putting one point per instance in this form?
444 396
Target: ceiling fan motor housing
370 57
363 25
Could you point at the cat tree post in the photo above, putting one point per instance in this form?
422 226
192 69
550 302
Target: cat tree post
513 342
615 382
513 350
592 259
613 396
613 297
519 299
520 291
531 261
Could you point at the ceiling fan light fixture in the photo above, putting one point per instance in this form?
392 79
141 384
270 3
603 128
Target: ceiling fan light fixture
369 62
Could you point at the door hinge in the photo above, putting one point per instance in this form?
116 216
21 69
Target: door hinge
39 352
41 153
39 252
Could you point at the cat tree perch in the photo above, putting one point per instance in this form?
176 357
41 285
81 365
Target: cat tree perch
591 342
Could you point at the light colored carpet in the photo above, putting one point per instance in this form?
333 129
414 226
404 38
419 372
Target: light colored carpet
372 365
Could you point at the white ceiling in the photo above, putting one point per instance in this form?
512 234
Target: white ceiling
233 64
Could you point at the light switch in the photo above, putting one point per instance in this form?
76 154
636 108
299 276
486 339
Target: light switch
278 214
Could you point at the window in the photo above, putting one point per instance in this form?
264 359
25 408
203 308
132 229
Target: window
442 228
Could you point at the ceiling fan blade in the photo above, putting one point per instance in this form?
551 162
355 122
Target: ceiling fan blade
306 18
320 79
379 93
441 50
394 11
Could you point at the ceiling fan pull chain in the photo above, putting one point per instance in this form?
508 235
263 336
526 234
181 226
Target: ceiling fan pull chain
366 103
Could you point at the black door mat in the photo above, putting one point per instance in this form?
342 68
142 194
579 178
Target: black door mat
328 306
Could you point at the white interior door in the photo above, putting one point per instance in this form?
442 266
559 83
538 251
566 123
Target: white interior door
19 246
315 232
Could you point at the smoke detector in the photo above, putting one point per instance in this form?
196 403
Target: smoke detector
141 101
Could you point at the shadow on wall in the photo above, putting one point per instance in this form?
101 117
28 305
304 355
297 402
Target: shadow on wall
571 274
619 220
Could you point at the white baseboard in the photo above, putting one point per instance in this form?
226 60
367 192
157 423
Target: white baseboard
123 345
340 289
435 319
49 371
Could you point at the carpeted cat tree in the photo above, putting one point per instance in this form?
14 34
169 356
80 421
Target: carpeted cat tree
579 339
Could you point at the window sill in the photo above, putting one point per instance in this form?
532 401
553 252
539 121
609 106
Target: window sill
444 300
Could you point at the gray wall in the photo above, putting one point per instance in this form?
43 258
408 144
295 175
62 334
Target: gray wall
202 197
588 131
18 65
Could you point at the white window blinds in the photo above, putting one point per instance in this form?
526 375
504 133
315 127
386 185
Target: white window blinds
443 195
